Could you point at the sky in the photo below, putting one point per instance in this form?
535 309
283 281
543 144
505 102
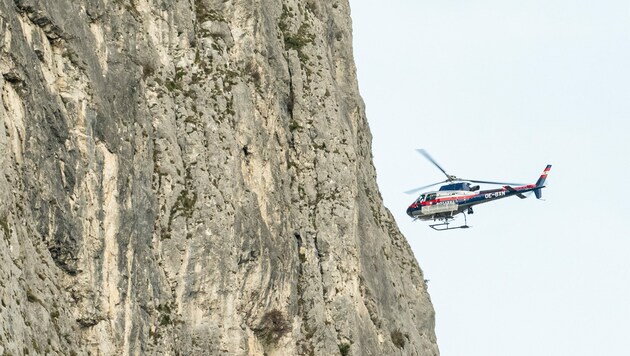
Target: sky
496 90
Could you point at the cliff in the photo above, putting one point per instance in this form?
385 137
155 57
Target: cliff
194 177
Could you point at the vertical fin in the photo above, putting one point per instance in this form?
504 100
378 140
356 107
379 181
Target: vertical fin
541 181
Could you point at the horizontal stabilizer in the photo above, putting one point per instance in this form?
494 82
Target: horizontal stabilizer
512 190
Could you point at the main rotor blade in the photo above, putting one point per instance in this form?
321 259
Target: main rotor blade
424 187
427 156
488 182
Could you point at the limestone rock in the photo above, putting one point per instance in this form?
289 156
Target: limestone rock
194 177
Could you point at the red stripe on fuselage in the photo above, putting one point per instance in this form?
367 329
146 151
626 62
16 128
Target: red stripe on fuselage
435 201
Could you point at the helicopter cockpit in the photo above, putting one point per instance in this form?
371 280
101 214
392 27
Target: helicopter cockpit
425 197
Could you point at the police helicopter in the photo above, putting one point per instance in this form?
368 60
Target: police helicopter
459 196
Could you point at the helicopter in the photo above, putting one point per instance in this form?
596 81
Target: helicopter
459 196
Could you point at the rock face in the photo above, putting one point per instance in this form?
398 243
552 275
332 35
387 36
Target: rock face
194 177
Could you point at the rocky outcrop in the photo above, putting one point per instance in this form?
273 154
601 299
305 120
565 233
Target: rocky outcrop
194 177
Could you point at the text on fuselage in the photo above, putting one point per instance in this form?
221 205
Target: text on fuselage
494 195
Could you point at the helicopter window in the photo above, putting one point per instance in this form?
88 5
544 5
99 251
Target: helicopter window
430 197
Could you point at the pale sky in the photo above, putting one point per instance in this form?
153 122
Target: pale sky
495 90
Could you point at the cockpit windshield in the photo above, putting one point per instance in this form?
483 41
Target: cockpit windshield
425 197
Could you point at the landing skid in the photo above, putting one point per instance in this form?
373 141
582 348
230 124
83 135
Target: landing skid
443 226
